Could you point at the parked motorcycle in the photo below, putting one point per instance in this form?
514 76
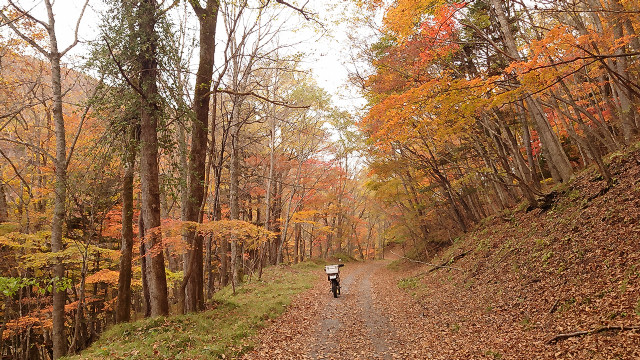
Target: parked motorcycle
333 275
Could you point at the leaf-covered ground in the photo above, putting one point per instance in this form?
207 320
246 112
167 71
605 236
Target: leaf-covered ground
526 278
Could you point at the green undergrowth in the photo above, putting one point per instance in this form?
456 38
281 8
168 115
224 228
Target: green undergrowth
223 331
6 228
396 265
341 257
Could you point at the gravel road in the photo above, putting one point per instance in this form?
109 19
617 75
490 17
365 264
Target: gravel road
364 322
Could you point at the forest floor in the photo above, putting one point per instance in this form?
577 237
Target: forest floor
555 283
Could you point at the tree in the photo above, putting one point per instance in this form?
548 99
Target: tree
482 100
54 56
118 29
193 211
150 112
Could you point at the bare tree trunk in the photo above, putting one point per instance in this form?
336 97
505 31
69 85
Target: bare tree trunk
224 263
207 267
287 218
303 245
296 245
54 55
123 307
207 17
234 178
311 242
74 347
268 186
4 211
150 111
276 212
627 112
59 294
143 267
526 135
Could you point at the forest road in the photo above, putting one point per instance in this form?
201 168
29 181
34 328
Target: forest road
371 319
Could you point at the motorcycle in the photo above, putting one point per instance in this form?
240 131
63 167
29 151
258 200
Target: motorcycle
333 275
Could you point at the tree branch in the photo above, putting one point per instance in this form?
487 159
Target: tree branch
35 147
301 10
488 39
122 72
578 58
27 15
590 332
82 119
251 93
15 169
29 40
75 34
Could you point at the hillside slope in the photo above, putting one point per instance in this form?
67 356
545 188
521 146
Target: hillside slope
527 277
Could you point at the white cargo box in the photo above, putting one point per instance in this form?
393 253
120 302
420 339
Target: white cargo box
331 269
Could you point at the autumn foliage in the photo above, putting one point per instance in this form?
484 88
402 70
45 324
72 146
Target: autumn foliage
474 105
275 187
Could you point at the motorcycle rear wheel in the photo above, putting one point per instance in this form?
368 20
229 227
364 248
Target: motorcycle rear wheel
334 288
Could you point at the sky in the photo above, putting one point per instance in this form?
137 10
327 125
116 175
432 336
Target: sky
327 48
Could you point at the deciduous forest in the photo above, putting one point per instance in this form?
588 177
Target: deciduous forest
164 159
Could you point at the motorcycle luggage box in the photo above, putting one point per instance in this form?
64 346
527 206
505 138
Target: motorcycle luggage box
331 269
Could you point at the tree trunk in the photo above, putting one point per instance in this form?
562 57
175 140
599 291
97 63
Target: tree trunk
303 245
224 263
234 178
267 198
4 210
297 230
207 267
123 307
149 114
207 18
76 340
627 112
143 267
526 135
276 212
59 294
287 218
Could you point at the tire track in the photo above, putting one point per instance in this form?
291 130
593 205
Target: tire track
350 326
359 324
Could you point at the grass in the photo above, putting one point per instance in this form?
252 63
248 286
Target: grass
342 257
6 228
222 332
409 283
395 265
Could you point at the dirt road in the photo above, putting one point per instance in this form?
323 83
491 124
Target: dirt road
363 323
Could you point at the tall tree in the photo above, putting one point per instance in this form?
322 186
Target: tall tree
207 18
150 113
61 162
